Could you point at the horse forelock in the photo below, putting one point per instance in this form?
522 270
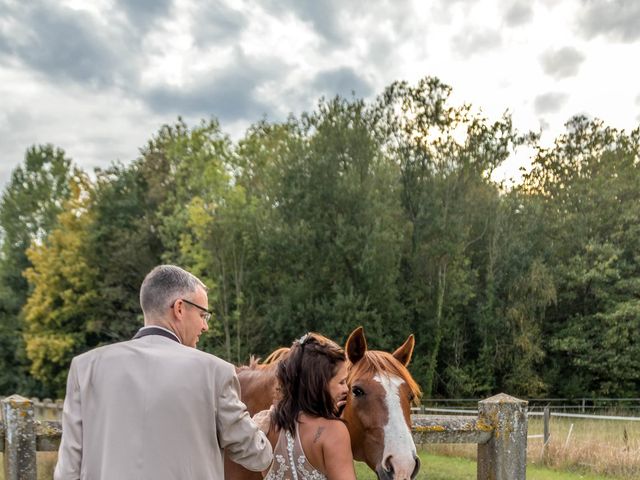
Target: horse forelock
383 363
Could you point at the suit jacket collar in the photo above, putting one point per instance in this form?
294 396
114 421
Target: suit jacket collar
152 330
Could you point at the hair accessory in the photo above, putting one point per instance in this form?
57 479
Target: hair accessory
303 339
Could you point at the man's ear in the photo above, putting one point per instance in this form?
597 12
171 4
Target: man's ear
178 309
356 345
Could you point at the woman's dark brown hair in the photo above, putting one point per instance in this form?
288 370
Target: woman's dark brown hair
303 378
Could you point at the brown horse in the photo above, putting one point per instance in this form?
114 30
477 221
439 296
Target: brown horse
377 412
258 381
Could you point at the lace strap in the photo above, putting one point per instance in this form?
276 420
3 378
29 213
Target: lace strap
292 462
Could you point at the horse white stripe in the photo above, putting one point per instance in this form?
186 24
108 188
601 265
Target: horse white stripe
398 442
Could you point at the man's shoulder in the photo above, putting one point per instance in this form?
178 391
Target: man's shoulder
201 357
211 358
99 350
175 350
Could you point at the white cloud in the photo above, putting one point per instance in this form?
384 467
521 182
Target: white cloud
550 102
518 13
617 20
130 66
563 62
94 130
472 41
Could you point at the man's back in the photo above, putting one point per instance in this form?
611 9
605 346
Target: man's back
151 408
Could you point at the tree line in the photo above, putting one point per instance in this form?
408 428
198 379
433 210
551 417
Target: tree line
379 213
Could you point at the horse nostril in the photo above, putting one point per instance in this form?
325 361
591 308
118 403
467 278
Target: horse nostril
414 474
384 471
387 464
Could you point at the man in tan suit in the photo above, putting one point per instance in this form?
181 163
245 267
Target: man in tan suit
154 407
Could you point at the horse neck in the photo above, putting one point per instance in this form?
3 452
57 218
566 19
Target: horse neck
258 387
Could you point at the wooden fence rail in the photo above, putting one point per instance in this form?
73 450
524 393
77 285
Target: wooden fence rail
499 429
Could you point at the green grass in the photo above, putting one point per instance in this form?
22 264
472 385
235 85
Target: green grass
436 467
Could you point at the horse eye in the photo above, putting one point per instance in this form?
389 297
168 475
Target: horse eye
411 397
357 391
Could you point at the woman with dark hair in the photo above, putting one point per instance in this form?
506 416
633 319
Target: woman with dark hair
309 439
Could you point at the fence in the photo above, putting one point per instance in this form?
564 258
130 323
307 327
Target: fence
45 409
592 405
499 429
549 411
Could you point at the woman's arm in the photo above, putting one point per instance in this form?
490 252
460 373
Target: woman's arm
336 453
263 420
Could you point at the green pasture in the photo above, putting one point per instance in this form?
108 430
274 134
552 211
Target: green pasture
436 467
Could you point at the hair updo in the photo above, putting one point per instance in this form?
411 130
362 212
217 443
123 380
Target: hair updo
303 378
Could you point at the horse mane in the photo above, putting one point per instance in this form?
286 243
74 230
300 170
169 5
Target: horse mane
374 362
255 363
276 355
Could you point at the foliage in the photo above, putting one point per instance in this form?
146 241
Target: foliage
382 214
29 207
446 155
588 188
63 293
333 240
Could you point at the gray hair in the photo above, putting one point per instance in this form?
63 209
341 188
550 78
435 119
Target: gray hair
164 285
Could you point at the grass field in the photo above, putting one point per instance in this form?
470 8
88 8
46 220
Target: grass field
600 446
434 467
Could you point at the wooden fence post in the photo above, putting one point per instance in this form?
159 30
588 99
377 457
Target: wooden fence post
547 427
504 456
20 438
547 419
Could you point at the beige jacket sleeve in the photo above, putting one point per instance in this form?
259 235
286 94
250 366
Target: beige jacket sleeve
70 453
237 433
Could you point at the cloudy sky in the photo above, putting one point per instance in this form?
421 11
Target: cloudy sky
99 77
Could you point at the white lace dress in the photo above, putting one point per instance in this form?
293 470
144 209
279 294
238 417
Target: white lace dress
290 462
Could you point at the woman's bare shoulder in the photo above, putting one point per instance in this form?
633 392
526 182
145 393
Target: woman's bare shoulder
325 429
335 430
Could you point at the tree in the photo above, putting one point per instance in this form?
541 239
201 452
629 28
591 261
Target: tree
63 292
123 244
29 207
588 186
446 155
333 243
198 169
258 164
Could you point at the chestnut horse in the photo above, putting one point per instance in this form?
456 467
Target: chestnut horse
377 412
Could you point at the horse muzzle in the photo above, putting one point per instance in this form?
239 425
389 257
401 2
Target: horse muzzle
387 470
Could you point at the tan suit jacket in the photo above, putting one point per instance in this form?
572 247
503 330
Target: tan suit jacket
153 409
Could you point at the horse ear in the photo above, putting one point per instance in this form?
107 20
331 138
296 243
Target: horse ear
356 345
403 353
